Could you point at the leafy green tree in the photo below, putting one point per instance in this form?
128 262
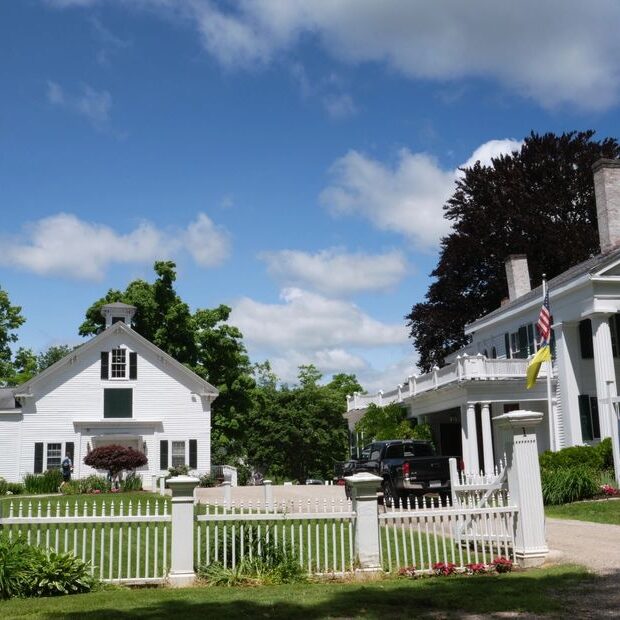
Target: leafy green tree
203 341
529 202
389 422
52 355
10 320
298 432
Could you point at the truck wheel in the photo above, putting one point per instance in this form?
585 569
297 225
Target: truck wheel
389 497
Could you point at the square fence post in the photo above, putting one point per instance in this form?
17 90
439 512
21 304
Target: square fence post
227 493
268 495
182 538
364 487
524 486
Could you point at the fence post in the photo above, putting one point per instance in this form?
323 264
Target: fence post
454 479
226 486
364 487
182 538
524 486
268 495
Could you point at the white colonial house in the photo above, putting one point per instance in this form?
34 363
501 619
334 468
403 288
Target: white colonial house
116 388
487 378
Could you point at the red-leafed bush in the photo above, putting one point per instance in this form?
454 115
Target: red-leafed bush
502 564
115 459
444 568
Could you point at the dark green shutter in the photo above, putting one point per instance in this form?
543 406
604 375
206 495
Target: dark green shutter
522 336
163 454
507 345
531 349
193 454
105 356
584 416
133 365
118 403
70 451
38 457
585 339
596 425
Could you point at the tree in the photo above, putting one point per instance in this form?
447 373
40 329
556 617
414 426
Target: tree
10 320
52 355
389 422
529 202
115 459
298 432
203 341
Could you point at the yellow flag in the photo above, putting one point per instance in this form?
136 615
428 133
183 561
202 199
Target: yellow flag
542 355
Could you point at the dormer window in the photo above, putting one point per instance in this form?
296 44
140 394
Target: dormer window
118 368
119 364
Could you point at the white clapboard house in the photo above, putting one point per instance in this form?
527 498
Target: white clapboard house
487 378
117 388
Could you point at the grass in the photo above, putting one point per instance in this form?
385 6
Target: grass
604 511
549 591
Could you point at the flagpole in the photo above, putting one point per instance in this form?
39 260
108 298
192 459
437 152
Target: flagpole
549 371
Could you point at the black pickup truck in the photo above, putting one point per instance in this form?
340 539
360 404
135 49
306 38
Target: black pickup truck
408 467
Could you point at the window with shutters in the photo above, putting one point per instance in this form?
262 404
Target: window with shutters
119 364
54 455
118 403
118 368
178 453
588 415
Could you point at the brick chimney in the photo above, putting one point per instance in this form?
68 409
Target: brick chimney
607 193
518 276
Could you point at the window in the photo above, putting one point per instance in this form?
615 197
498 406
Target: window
423 449
178 453
375 454
394 451
522 343
54 455
118 403
494 353
119 364
588 414
365 455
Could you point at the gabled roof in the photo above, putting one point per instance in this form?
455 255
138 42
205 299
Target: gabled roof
589 267
24 388
118 304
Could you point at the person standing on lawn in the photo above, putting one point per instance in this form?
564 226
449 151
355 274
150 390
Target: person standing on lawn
67 468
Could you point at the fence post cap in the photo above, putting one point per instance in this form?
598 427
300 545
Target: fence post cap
519 419
182 485
267 482
364 484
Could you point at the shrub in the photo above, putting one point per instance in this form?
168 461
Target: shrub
72 487
406 571
208 480
444 568
14 488
115 459
568 484
94 483
476 568
26 570
48 482
597 457
180 470
502 564
131 483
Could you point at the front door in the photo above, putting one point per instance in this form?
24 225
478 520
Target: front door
450 439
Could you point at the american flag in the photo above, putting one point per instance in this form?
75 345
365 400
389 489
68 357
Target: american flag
544 322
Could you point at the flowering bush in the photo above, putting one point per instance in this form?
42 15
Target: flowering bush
407 571
502 564
476 568
609 491
444 568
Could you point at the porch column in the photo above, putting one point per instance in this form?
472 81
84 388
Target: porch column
568 358
487 439
604 370
464 446
472 439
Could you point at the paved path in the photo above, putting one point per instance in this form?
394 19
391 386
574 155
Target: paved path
594 545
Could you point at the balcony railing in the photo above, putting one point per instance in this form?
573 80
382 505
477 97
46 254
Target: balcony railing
465 368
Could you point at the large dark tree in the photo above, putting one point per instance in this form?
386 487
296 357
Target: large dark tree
539 202
203 341
10 320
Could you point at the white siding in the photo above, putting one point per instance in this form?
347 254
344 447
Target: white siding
161 393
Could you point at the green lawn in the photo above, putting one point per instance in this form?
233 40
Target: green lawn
536 591
606 511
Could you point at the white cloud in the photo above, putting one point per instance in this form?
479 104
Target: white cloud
339 106
406 198
92 104
313 322
64 245
208 244
336 273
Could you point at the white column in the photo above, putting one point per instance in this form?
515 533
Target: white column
568 358
604 370
227 493
464 437
182 538
364 487
525 487
487 439
472 439
268 495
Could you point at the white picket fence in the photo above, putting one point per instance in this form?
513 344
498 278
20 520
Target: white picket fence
317 533
126 542
422 534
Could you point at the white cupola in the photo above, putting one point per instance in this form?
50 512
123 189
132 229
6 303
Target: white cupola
118 311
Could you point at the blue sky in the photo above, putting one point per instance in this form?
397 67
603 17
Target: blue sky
291 157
